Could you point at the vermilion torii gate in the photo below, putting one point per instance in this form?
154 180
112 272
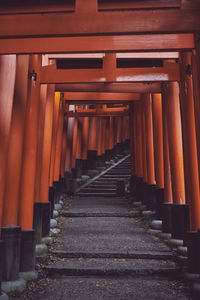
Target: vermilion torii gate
45 134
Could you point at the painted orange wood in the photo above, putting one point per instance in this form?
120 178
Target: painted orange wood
7 84
81 23
70 126
175 142
168 197
47 144
144 148
28 170
54 136
74 145
169 72
15 144
132 139
59 138
139 141
158 139
150 141
139 87
85 137
189 143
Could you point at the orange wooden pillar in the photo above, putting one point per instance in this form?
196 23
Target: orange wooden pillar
7 84
99 141
92 143
103 140
189 142
46 190
7 70
168 198
144 148
68 158
158 151
85 136
78 163
30 147
74 144
179 209
15 145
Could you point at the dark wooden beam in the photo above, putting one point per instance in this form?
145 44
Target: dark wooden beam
97 114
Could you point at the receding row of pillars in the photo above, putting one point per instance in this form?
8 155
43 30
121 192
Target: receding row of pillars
165 154
41 150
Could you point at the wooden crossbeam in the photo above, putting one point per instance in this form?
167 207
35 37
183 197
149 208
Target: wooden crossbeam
97 114
169 72
95 96
78 44
93 22
138 87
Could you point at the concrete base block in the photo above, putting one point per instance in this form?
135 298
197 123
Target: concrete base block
85 177
61 202
175 243
57 206
17 286
54 231
143 207
41 250
47 240
154 231
137 204
31 275
53 223
55 213
3 296
182 250
156 224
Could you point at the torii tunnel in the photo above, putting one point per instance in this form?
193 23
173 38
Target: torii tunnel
81 81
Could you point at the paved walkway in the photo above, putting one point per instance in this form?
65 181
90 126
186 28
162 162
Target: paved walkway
104 251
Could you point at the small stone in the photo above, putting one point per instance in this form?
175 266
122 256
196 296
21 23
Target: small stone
17 286
55 213
41 250
182 250
47 240
156 224
164 235
61 202
191 276
85 177
175 242
54 231
148 213
53 223
57 206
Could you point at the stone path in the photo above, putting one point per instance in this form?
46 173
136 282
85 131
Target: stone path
104 251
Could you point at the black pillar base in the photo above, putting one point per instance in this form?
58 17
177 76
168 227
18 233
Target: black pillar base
84 166
159 202
11 237
72 186
120 187
56 186
192 241
151 203
46 217
92 159
1 261
79 167
37 220
51 199
133 185
68 177
167 217
101 160
107 154
180 220
139 189
27 251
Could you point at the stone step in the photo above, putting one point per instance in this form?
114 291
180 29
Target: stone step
103 214
112 267
97 190
100 185
159 255
97 194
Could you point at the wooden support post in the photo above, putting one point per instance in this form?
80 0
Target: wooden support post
54 136
138 116
132 140
144 141
70 126
189 142
30 146
74 145
85 143
92 143
59 137
15 146
180 213
150 144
